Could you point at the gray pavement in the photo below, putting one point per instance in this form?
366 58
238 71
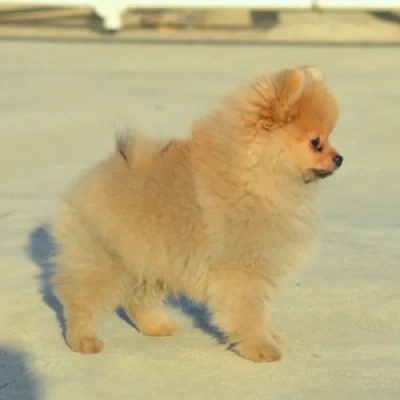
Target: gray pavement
60 105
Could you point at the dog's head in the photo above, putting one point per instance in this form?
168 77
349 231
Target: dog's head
287 119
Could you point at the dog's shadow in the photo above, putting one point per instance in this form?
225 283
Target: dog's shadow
198 313
41 249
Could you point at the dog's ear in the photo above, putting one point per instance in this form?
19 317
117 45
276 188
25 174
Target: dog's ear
312 72
274 98
292 82
289 86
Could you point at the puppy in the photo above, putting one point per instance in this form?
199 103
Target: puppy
221 216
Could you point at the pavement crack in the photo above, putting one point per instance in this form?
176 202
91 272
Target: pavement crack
4 385
6 214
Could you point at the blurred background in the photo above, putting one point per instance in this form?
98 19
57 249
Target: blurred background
259 20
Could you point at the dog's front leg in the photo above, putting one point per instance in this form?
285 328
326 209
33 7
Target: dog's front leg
240 301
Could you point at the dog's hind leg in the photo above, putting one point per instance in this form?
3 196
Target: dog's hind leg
89 284
144 305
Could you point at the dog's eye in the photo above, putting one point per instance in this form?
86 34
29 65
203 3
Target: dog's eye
316 144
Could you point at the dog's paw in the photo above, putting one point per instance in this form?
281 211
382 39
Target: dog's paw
86 345
258 351
279 340
164 328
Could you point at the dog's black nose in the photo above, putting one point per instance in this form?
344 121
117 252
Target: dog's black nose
338 160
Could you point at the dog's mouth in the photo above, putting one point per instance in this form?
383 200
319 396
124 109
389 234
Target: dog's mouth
322 173
316 174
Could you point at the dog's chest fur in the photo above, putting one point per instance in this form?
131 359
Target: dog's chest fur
279 238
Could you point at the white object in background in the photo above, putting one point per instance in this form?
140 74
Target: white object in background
111 12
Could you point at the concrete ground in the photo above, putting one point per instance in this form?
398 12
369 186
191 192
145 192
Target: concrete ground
60 105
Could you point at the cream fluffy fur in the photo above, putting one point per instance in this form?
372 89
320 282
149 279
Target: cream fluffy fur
221 216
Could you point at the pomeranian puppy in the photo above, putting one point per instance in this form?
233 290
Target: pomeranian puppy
221 216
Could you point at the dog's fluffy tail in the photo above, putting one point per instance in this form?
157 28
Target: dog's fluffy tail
137 150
